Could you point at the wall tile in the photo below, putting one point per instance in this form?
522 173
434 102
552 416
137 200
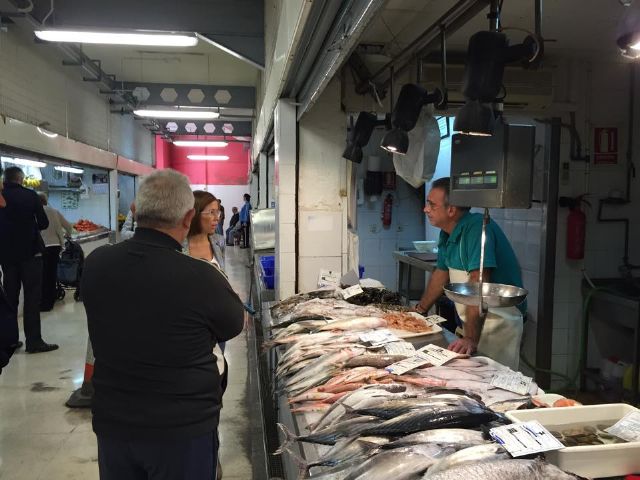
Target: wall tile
559 363
287 266
560 315
287 238
287 208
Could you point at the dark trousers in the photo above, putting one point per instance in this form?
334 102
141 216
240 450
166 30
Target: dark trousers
49 277
26 274
245 235
184 459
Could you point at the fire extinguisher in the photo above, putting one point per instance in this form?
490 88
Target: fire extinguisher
387 208
576 228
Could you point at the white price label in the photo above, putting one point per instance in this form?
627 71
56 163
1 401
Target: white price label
520 439
403 366
378 337
627 428
435 319
400 348
347 293
327 278
438 355
512 381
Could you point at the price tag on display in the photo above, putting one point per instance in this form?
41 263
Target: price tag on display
327 278
627 428
520 439
435 319
347 293
512 381
418 359
400 348
378 337
438 355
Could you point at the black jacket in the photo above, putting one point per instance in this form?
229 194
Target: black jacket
20 224
234 219
154 316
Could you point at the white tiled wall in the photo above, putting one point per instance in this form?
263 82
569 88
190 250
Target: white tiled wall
60 98
376 242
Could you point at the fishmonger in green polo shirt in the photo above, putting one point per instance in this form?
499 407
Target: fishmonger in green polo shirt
459 252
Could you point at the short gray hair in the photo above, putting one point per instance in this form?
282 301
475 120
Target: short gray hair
163 199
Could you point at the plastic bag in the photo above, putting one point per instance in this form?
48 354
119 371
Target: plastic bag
419 164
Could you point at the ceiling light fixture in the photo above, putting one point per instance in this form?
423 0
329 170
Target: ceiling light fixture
405 116
24 162
185 114
68 169
140 38
199 143
360 134
208 157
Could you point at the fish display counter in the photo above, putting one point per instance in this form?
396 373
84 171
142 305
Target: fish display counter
361 394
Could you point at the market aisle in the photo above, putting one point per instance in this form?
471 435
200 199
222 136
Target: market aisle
42 439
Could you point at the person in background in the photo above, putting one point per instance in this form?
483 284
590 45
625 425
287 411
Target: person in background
53 237
21 249
201 240
157 387
129 225
245 220
220 227
3 202
498 337
8 316
235 218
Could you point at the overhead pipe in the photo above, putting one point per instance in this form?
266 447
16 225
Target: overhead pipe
451 21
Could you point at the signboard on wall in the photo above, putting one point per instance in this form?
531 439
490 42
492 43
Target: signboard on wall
605 145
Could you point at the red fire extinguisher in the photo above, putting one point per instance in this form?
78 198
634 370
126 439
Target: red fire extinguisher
576 229
387 207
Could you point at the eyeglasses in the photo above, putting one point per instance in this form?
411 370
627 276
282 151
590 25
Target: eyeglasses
211 213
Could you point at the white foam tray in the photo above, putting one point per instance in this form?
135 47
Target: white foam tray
591 461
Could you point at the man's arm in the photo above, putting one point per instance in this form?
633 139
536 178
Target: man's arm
473 324
65 224
439 278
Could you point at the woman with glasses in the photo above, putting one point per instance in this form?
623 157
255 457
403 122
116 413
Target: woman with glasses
202 241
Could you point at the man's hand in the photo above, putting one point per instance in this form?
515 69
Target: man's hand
464 346
420 309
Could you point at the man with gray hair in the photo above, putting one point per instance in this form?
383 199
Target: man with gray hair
154 316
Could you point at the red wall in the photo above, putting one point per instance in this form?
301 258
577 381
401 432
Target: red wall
234 171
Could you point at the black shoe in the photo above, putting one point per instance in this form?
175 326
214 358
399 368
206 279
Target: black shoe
42 347
16 346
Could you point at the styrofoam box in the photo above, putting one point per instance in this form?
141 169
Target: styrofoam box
590 460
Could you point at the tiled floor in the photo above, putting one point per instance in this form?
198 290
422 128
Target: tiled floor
40 438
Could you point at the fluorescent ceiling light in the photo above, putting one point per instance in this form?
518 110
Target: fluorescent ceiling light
47 133
199 143
208 157
69 169
24 162
151 39
177 114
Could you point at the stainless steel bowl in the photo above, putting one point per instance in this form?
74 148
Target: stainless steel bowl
493 294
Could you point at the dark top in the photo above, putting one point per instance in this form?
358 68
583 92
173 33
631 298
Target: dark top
234 219
154 316
20 224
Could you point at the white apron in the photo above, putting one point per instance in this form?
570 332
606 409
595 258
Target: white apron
502 331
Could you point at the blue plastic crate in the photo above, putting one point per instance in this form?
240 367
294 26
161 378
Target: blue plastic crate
268 265
268 281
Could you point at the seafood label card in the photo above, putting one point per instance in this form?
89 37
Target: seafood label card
327 278
627 428
512 381
438 356
378 337
520 439
400 348
347 293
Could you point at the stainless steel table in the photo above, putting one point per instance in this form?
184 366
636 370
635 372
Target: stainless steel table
411 274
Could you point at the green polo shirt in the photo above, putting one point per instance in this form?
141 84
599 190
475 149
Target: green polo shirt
461 251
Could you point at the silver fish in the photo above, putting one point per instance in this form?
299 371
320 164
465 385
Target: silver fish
331 434
456 437
504 470
399 464
480 453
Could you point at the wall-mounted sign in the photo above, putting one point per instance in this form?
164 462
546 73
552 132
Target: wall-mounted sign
605 145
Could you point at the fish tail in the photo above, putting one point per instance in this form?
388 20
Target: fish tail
303 467
289 438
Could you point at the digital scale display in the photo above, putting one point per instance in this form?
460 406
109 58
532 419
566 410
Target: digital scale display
481 179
